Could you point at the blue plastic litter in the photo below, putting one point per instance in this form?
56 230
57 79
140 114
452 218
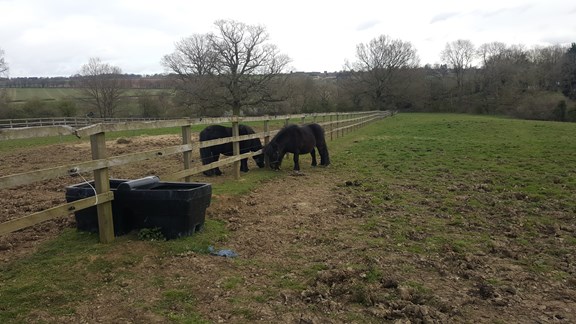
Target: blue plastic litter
223 253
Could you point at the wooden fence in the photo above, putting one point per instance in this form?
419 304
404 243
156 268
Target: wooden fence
335 125
76 122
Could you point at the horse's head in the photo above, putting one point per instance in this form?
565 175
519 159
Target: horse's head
259 159
273 156
257 146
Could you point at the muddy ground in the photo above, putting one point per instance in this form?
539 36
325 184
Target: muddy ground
310 236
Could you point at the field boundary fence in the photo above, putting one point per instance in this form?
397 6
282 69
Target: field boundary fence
76 122
335 125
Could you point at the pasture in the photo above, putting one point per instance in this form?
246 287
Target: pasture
420 217
48 102
49 94
25 94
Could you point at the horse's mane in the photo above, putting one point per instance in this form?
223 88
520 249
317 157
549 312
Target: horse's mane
283 131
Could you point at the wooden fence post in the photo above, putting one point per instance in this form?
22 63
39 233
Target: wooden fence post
102 185
236 146
266 132
337 125
331 129
187 139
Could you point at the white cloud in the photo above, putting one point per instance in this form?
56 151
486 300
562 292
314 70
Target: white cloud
48 38
443 16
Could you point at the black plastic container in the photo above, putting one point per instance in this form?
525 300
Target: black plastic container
177 208
87 219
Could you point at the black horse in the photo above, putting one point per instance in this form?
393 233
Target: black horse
297 140
212 153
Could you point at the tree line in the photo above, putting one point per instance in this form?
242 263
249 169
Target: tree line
236 70
129 81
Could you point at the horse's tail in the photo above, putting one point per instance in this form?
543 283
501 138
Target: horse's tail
318 132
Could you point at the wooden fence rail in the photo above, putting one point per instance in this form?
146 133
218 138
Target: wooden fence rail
75 122
335 125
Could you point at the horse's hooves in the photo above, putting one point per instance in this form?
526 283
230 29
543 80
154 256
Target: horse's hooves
297 173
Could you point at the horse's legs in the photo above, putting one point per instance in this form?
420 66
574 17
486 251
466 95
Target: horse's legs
244 165
209 173
313 154
296 162
216 170
208 157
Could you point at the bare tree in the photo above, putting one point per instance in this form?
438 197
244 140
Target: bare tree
506 73
233 67
3 64
379 64
300 91
193 56
3 73
489 51
547 64
459 55
493 64
193 63
568 77
102 85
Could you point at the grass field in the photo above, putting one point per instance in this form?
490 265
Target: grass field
464 168
443 189
25 94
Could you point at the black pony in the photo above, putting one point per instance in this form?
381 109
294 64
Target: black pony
212 153
297 140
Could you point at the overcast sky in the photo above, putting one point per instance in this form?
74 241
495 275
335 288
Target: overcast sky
56 37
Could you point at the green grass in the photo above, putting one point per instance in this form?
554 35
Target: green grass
64 270
25 94
178 306
213 233
51 278
460 172
6 146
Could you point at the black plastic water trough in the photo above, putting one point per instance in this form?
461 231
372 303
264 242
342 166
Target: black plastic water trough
177 208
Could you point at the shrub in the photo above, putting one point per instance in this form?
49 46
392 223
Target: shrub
538 105
151 234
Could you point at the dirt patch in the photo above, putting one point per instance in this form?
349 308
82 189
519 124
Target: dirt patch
307 254
24 200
